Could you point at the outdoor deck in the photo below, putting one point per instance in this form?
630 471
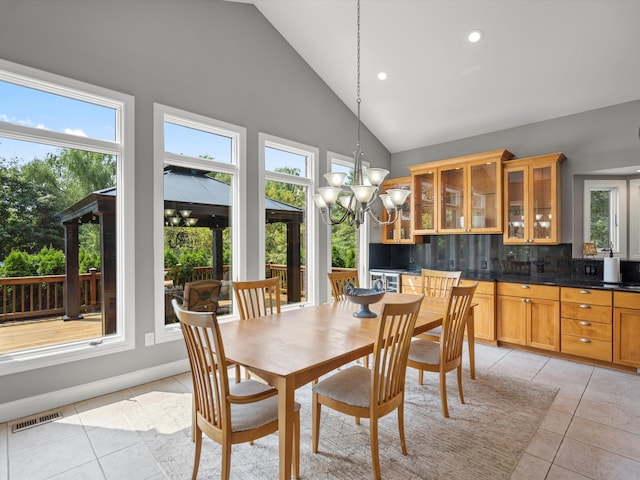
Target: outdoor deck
25 335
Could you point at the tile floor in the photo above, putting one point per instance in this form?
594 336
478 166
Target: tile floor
592 430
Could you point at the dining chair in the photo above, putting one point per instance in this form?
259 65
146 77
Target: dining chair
339 280
202 295
437 284
256 298
446 354
372 393
226 413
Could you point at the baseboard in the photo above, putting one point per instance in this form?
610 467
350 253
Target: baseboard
47 401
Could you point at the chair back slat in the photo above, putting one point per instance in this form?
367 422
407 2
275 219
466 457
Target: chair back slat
397 322
436 283
339 280
257 298
454 322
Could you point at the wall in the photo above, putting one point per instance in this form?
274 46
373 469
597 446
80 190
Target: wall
218 59
593 140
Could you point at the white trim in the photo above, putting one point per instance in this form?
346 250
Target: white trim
47 401
124 106
236 168
634 220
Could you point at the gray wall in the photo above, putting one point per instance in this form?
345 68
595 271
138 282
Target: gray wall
219 59
594 140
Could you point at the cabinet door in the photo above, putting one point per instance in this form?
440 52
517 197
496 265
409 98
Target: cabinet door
399 231
542 205
543 329
515 181
424 202
452 181
485 197
511 318
626 337
484 317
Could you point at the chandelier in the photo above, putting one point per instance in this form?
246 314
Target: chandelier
340 203
176 218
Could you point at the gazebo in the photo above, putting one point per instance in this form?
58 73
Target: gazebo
208 201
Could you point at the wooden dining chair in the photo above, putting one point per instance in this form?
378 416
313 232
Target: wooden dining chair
446 354
256 298
372 393
339 280
437 284
226 413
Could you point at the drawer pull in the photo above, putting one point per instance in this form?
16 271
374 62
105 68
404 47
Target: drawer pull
585 340
584 323
587 292
525 286
584 305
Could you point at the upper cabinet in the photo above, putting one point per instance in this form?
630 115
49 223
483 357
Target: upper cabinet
401 230
459 195
532 200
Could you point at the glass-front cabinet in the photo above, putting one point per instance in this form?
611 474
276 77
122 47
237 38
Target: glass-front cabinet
401 230
532 206
468 194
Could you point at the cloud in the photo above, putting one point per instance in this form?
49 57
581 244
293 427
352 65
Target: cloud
75 131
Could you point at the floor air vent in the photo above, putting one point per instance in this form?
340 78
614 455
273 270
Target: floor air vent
35 421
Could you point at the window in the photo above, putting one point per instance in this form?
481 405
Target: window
66 151
197 189
605 215
290 251
634 221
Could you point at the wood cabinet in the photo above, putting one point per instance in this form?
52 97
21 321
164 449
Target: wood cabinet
484 313
528 315
626 328
532 200
412 284
459 195
586 323
401 230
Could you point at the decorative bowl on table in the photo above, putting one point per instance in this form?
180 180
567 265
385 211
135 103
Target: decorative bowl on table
364 297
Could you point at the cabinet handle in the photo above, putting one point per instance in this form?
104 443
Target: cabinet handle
585 340
584 305
525 286
585 323
585 292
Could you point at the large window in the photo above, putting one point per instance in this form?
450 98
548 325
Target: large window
66 241
605 215
198 186
289 240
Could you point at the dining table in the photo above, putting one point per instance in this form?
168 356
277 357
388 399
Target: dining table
294 347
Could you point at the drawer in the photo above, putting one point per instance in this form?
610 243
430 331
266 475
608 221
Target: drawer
483 288
586 311
596 349
583 328
586 295
626 299
528 290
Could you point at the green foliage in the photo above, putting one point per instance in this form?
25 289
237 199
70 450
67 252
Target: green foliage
170 258
88 258
19 264
50 262
343 249
600 234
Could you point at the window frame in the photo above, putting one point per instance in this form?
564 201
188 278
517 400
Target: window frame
236 168
122 148
617 209
310 181
634 226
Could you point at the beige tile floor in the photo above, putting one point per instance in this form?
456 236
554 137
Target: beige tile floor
592 430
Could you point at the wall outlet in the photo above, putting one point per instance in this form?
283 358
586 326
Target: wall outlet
484 265
149 339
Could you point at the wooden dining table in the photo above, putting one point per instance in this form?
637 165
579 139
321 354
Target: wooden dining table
292 348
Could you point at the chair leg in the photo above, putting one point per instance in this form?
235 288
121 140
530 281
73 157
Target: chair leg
197 433
237 373
226 460
193 419
443 394
373 439
315 422
420 376
460 384
296 447
403 444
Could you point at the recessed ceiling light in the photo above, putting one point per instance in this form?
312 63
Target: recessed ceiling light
382 76
475 36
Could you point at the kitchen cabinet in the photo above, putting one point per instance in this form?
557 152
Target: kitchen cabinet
412 284
528 315
459 195
532 200
484 313
401 230
586 323
626 328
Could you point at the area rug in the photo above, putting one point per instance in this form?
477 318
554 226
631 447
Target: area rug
482 439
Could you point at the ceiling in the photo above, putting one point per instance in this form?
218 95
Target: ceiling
539 59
